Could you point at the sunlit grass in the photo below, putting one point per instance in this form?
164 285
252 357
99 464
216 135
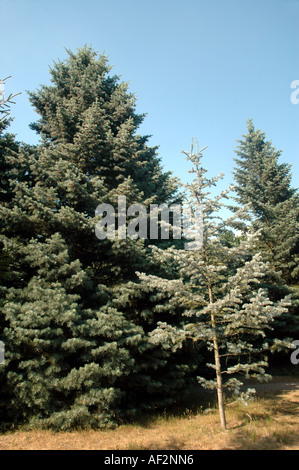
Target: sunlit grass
270 422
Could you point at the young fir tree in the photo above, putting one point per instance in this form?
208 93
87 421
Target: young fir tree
264 185
81 348
5 102
219 289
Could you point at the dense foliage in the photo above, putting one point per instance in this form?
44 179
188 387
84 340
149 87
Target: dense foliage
265 186
79 328
89 340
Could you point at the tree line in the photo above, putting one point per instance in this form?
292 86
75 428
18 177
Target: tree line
100 331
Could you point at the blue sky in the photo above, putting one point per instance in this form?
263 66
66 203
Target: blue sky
198 68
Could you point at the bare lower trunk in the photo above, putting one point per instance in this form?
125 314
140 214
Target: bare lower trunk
218 377
218 367
214 332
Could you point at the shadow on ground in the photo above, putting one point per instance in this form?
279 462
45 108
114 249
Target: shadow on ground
283 410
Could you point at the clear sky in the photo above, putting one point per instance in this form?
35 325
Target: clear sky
199 68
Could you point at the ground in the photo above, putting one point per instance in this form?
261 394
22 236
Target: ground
271 422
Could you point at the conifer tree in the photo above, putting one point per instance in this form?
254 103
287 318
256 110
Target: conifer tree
220 290
5 102
265 186
7 144
82 349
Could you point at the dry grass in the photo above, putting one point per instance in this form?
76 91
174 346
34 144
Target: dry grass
271 422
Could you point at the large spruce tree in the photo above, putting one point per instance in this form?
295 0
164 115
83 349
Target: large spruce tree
81 339
264 185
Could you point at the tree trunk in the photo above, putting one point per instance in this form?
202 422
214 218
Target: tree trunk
218 375
218 366
214 332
